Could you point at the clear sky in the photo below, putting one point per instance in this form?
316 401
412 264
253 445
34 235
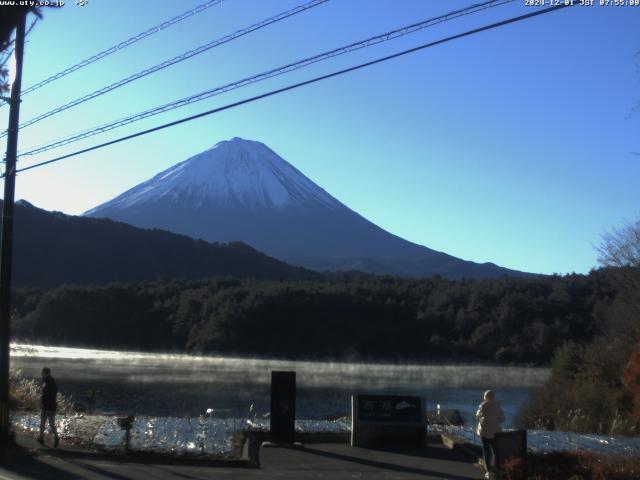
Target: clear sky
516 146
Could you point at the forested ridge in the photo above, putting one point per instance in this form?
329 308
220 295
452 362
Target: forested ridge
52 248
508 320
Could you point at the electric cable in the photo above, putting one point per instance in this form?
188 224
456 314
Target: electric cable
124 44
384 37
301 84
177 59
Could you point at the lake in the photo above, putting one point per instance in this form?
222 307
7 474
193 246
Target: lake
182 385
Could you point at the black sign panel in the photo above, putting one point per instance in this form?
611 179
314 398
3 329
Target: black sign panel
390 408
510 445
283 406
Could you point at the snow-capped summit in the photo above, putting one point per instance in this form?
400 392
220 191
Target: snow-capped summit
242 190
235 171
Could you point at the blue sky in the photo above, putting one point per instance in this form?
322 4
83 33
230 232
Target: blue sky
513 146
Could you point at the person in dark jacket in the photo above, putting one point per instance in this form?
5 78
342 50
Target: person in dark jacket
49 394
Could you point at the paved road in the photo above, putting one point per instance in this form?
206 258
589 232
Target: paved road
321 461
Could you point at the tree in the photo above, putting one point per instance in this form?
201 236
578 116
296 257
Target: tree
8 22
621 248
631 380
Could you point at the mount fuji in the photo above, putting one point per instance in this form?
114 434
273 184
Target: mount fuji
242 190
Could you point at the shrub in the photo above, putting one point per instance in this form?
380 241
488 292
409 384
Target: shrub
572 466
25 394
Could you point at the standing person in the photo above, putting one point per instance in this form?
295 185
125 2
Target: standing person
49 393
489 417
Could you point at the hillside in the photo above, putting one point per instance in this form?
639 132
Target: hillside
51 248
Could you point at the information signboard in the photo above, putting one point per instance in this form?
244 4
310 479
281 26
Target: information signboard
389 408
382 420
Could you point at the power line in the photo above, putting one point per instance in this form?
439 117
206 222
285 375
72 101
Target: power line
301 84
124 44
167 63
268 74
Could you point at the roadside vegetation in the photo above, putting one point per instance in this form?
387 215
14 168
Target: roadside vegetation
25 394
595 385
572 466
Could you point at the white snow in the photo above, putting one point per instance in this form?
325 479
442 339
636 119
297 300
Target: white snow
231 172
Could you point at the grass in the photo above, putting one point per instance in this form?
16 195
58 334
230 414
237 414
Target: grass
25 394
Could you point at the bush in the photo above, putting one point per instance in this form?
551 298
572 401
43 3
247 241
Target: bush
25 394
573 466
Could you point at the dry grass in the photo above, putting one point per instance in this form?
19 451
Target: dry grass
573 466
25 394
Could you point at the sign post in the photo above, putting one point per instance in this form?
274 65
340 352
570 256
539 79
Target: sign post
283 406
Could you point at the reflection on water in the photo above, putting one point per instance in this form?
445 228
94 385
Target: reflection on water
185 385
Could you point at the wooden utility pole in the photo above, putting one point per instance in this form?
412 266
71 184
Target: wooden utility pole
7 234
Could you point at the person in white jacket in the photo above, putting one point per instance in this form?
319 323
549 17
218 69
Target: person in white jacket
490 418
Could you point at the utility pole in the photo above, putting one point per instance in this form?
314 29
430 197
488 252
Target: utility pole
7 234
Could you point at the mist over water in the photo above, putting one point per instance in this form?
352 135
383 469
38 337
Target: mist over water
185 385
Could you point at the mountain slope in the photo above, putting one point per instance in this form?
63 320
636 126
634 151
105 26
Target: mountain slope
242 190
51 248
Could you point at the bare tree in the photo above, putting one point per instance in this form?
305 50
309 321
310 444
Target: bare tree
621 246
8 20
4 71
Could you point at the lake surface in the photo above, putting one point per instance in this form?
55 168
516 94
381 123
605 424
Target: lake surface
186 386
169 395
